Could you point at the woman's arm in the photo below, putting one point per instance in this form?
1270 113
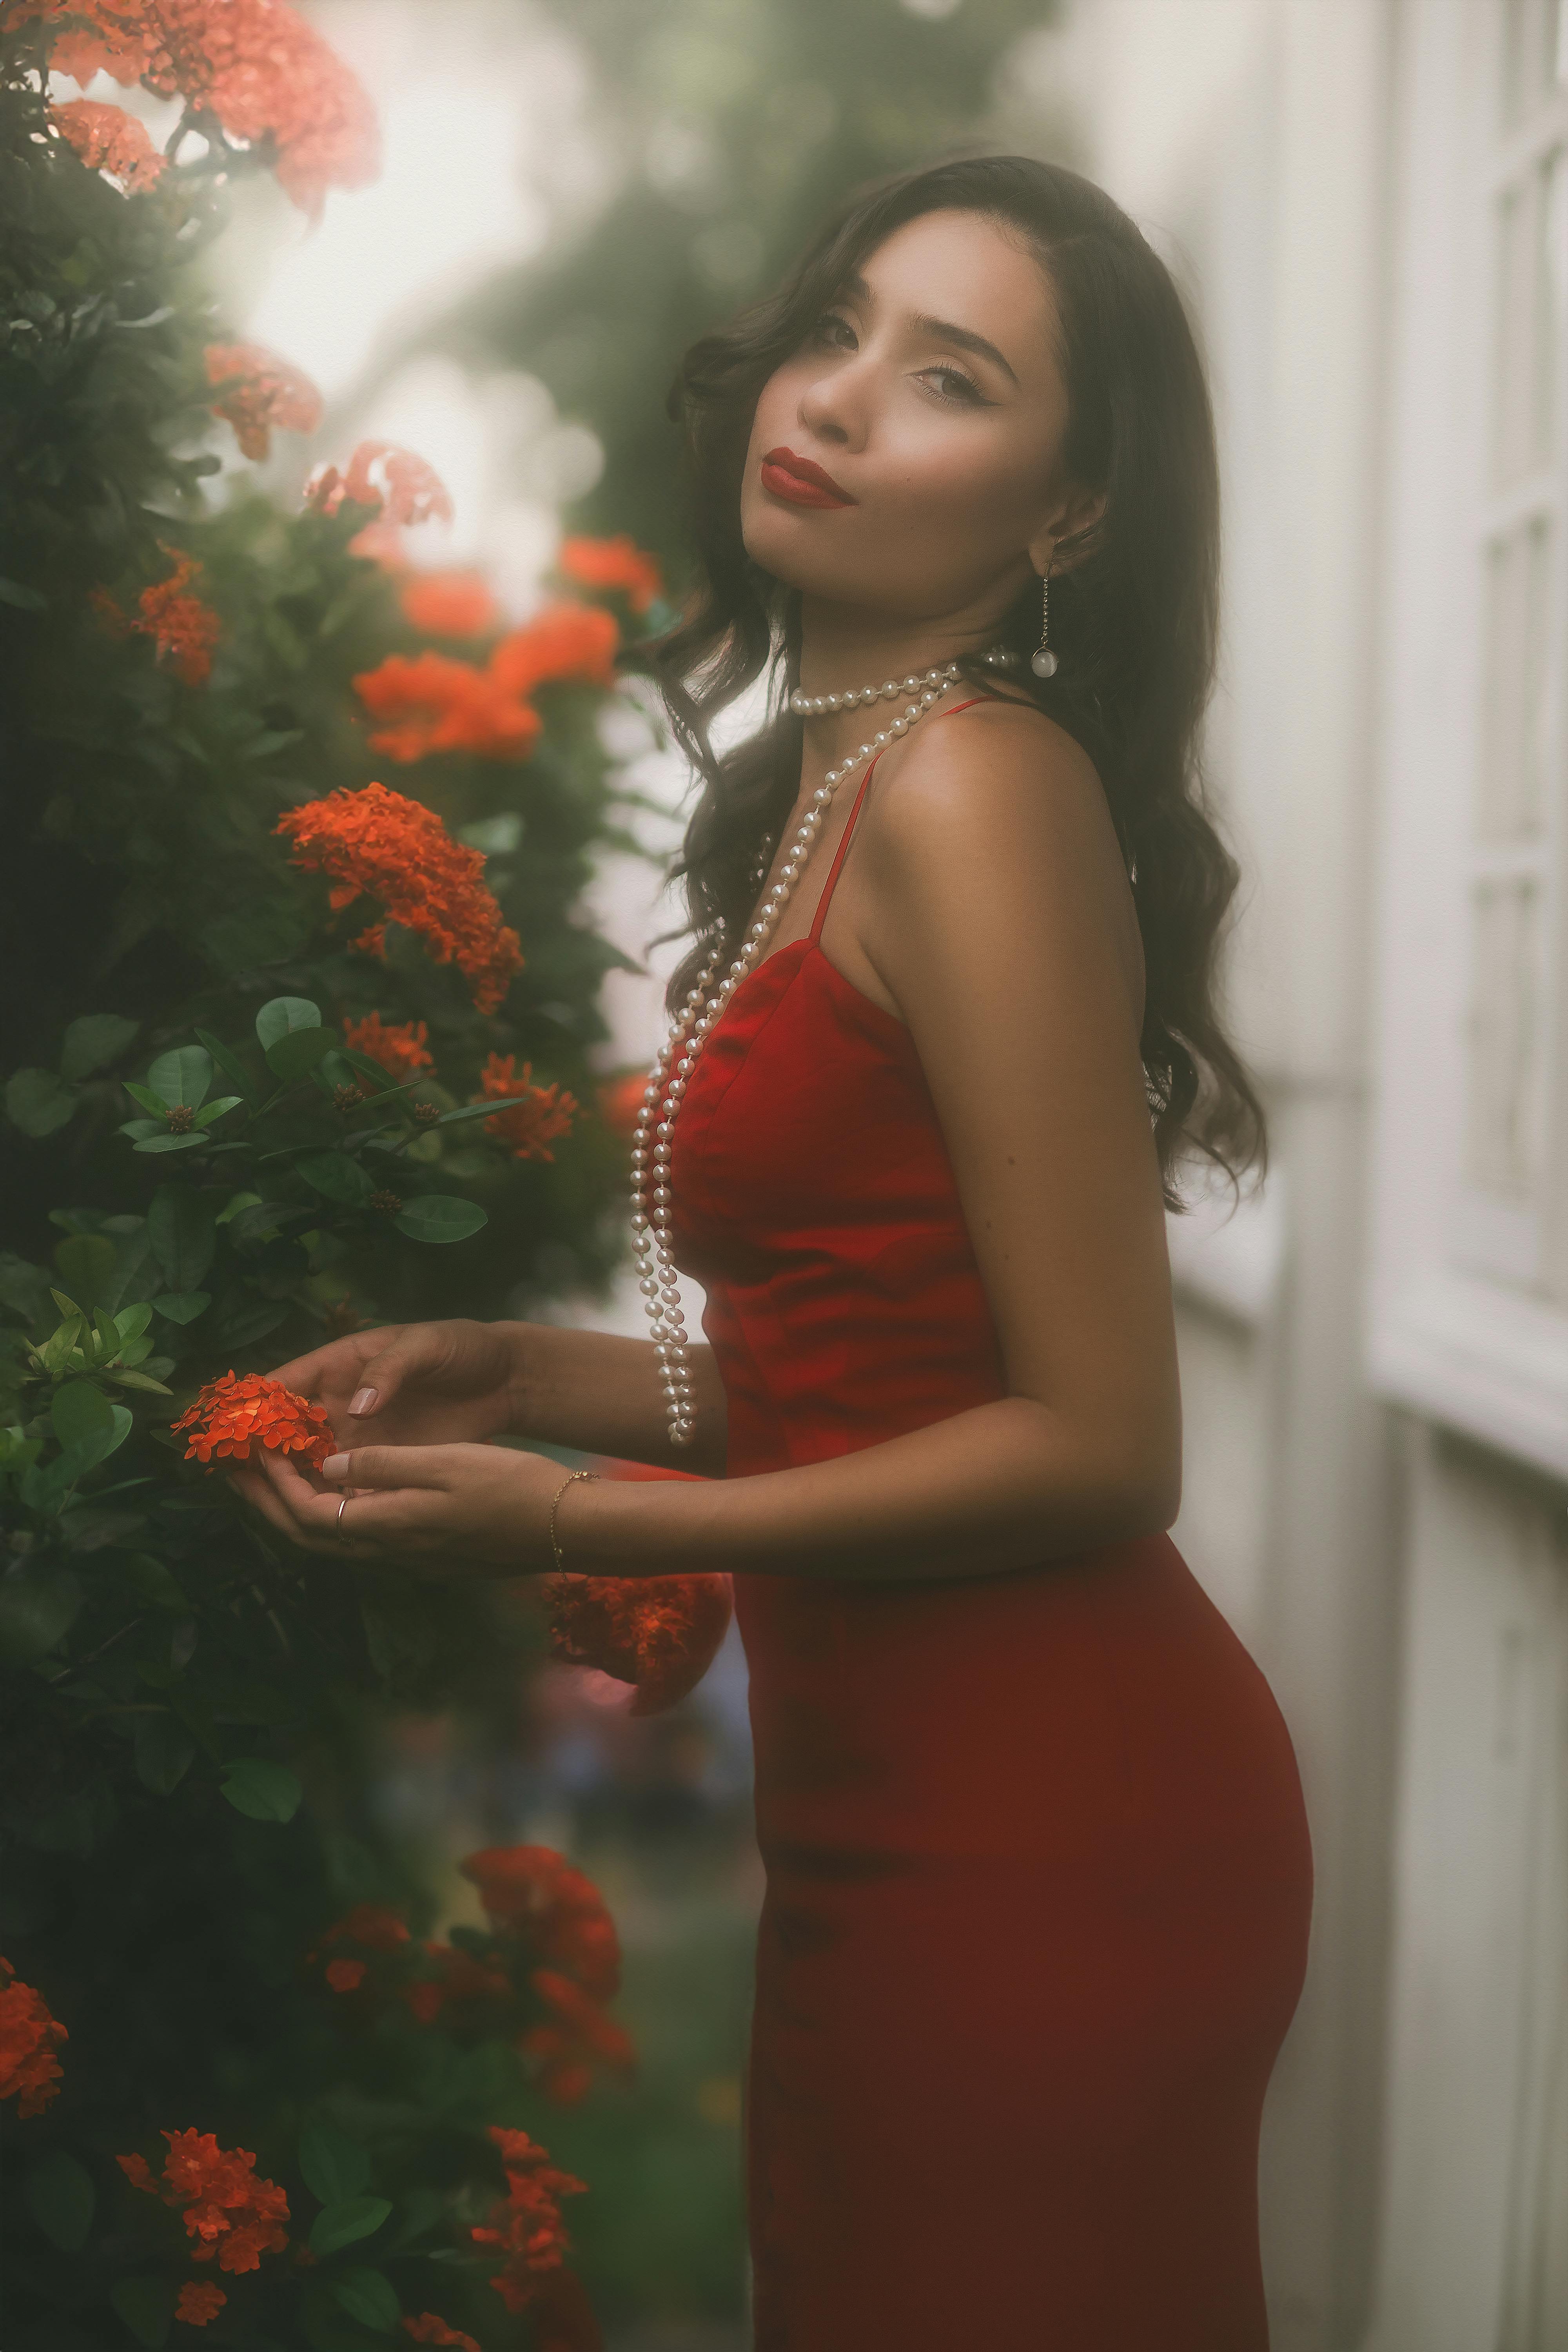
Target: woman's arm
992 908
598 1391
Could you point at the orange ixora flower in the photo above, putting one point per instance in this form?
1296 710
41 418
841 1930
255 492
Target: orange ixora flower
659 1633
376 844
575 2034
229 2212
379 474
259 393
108 140
565 643
230 1416
428 2329
254 67
532 1122
531 1892
525 2226
621 1099
182 629
29 2072
397 1046
617 563
450 604
431 702
458 1978
201 2300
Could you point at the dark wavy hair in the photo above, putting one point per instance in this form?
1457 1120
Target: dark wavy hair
1134 616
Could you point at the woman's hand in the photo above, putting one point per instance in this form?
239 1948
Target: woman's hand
413 1383
479 1510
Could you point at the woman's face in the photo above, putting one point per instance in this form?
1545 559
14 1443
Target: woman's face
907 459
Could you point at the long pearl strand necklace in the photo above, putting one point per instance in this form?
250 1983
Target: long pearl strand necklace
651 1215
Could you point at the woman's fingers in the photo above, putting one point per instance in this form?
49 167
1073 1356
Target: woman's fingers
397 1465
414 1349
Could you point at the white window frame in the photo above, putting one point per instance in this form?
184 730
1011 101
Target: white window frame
1469 1306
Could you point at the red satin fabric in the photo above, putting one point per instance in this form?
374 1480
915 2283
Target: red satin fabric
1038 1869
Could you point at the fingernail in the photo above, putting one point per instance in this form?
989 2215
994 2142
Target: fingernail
364 1400
336 1466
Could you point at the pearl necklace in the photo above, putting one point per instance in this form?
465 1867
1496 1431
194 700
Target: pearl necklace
651 1215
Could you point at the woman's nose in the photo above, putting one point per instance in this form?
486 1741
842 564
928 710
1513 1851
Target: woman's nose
835 407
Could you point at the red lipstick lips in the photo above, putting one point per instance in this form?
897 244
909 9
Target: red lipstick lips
801 482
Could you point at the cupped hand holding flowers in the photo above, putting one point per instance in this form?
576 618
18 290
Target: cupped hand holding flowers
460 1509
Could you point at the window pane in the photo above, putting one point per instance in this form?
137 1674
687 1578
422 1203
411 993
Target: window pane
1547 302
1502 1147
1520 730
1514 393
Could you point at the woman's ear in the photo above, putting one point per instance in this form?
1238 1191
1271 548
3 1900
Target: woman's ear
1058 543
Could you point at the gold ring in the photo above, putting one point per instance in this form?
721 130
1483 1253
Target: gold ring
343 1506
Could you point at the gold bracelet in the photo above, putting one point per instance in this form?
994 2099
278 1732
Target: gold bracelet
555 1505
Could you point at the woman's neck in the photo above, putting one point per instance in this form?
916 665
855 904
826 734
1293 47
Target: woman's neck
845 649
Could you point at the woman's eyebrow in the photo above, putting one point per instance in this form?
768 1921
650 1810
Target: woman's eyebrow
943 330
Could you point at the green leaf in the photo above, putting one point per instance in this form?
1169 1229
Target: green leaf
439 1217
132 1321
295 1055
337 1177
147 1098
335 2166
190 1142
251 1322
231 1066
81 1415
344 2224
283 1014
147 2307
164 1752
369 2295
37 1605
381 1081
155 1583
61 2200
267 1792
183 1305
93 1040
139 1129
180 1225
234 1203
253 939
87 1262
477 1110
26 599
183 1075
38 1102
23 1286
217 1109
129 1380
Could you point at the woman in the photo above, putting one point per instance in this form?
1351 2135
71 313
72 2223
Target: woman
1039 1878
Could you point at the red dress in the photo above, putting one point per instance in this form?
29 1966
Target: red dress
1038 1869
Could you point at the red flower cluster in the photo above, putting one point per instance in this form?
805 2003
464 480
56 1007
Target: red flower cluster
531 1891
230 1416
371 1925
439 704
254 65
377 843
29 2072
200 2301
617 562
428 2329
576 2033
397 1046
526 2226
531 1123
450 604
108 140
433 703
379 474
262 395
659 1633
181 625
228 2211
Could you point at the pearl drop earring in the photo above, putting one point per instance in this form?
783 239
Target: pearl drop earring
1043 661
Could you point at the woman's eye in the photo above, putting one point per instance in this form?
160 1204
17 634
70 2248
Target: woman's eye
834 331
952 384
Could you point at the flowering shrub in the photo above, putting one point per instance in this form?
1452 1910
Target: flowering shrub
242 1112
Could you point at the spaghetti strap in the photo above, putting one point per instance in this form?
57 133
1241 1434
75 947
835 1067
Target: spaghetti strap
814 934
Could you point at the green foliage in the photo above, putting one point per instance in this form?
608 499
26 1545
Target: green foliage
202 1176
